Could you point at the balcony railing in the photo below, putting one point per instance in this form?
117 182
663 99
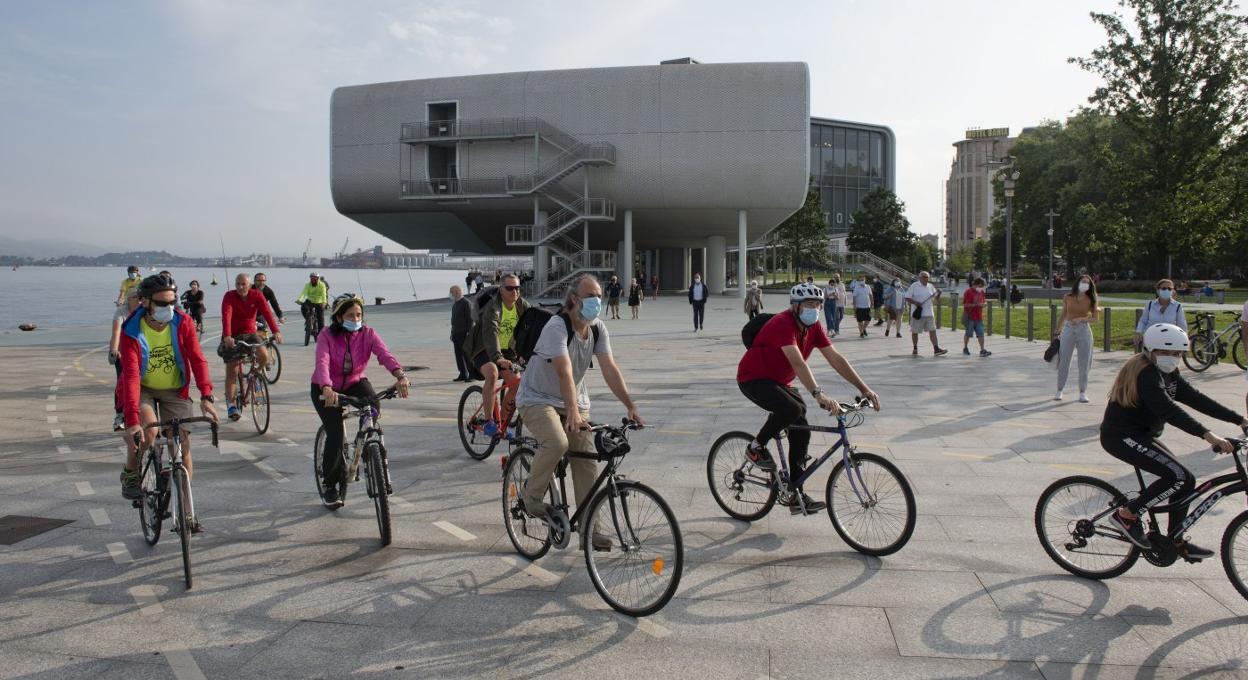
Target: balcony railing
484 128
454 186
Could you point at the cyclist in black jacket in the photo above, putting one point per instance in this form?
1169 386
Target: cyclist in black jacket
1141 402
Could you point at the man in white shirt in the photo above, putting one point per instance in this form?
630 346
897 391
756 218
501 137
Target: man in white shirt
863 299
922 295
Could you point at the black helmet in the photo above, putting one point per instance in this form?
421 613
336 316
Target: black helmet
132 268
610 442
156 283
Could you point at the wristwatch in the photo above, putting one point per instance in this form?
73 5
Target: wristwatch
816 392
208 398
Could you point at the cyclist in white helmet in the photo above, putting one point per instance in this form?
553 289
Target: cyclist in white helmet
777 354
1145 396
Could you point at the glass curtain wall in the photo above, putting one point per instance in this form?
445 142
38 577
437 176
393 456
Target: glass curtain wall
845 164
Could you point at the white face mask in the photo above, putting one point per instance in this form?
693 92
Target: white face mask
1167 364
1084 286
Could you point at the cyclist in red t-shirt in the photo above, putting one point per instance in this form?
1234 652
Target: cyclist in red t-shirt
777 355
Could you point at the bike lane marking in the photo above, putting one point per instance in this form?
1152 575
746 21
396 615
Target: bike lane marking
454 530
532 570
84 488
119 553
100 517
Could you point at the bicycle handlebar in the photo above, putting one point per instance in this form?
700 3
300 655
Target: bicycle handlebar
138 439
361 402
859 403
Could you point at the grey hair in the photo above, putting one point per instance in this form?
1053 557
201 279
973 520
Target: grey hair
575 286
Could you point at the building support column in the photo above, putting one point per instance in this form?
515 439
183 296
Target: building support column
743 255
688 269
626 270
541 254
716 262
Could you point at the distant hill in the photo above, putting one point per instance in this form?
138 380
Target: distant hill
44 248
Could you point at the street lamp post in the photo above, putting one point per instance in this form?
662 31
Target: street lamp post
1051 214
1011 176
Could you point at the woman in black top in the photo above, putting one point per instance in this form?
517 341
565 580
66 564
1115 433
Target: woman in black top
1141 402
193 303
635 293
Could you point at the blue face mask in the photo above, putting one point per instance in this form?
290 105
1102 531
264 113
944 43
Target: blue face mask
1165 294
352 326
161 314
809 317
590 308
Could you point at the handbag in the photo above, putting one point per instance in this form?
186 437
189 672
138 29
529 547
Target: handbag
1054 347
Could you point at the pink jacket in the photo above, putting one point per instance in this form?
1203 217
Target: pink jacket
331 347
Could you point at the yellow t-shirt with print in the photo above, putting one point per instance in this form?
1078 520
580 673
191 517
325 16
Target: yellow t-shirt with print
507 327
162 368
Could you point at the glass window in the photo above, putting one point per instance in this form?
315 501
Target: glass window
814 164
838 150
864 154
877 162
838 210
852 168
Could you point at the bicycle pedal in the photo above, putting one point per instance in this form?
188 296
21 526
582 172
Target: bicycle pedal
136 503
1193 560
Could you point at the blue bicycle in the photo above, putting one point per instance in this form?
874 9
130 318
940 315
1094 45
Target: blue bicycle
869 501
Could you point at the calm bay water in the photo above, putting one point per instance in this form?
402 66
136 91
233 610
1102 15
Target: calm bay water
83 296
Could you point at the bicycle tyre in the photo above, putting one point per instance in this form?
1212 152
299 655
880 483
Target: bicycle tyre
726 469
151 512
839 492
478 446
376 485
645 561
179 482
1238 353
260 404
273 370
1235 552
1049 525
522 530
1202 353
307 331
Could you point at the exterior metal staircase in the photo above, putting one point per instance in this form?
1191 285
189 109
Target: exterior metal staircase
874 265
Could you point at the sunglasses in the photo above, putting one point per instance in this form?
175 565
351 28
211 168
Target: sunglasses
161 303
511 289
1170 289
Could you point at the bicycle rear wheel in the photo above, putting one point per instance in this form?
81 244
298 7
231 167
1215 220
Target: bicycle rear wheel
640 571
471 421
530 536
1202 353
882 520
744 491
1063 520
181 490
375 482
273 370
151 510
260 403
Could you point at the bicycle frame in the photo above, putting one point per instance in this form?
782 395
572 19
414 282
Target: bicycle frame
856 483
173 442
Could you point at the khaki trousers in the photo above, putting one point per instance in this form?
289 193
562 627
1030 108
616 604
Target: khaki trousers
545 423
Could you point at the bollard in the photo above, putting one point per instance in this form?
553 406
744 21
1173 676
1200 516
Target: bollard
988 330
1108 314
953 313
940 310
1008 308
1031 322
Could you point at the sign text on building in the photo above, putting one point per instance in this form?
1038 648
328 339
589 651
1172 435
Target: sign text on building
988 132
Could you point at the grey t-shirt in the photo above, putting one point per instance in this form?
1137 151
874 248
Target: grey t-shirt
540 384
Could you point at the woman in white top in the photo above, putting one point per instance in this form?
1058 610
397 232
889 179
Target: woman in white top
1164 309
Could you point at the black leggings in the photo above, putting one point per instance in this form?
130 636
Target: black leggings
1173 480
785 407
331 418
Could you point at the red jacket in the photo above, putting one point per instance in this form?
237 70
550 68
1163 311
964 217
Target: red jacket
238 314
134 354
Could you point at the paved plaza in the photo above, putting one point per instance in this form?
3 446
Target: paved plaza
284 588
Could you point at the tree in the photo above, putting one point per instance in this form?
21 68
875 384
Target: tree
980 254
922 256
961 259
804 235
880 227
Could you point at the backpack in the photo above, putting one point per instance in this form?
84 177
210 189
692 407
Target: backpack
751 328
480 300
529 329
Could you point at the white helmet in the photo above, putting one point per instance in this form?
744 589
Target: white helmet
1166 336
803 292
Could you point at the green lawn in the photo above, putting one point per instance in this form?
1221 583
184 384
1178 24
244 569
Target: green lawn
1233 297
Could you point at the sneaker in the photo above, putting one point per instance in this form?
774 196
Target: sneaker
940 351
915 352
984 353
1058 396
1192 552
232 412
1133 530
130 480
966 351
490 429
760 457
812 506
886 333
535 509
119 422
1083 397
600 541
879 322
332 500
195 526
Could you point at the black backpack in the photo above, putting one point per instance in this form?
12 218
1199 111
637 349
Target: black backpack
751 328
529 329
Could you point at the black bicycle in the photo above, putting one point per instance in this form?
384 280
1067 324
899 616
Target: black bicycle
272 370
313 320
368 451
869 501
1073 523
164 484
630 537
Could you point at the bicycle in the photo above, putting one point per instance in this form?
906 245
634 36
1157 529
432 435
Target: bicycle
273 370
472 420
1208 345
1072 522
869 500
368 448
313 320
253 386
157 480
638 573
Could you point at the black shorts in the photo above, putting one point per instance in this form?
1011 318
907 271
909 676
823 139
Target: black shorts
480 359
230 355
862 313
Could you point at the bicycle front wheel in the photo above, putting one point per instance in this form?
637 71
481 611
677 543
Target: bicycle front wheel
376 485
471 420
1235 552
638 572
273 370
743 490
151 505
1067 533
182 492
530 536
1237 353
871 505
1202 352
260 404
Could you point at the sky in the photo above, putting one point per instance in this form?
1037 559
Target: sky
178 124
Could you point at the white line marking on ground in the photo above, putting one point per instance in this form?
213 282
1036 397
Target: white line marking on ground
56 381
61 373
183 664
52 420
50 408
652 629
84 488
246 455
61 448
402 502
100 517
287 441
145 597
66 367
439 419
89 374
272 473
53 388
119 553
532 570
969 456
73 468
51 397
57 434
454 531
308 455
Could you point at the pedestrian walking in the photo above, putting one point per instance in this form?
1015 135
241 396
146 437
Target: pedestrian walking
830 302
973 302
635 295
1162 309
614 289
922 295
698 294
753 300
654 287
894 301
862 305
1079 312
461 323
877 300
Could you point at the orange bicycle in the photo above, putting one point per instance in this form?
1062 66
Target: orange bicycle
472 417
